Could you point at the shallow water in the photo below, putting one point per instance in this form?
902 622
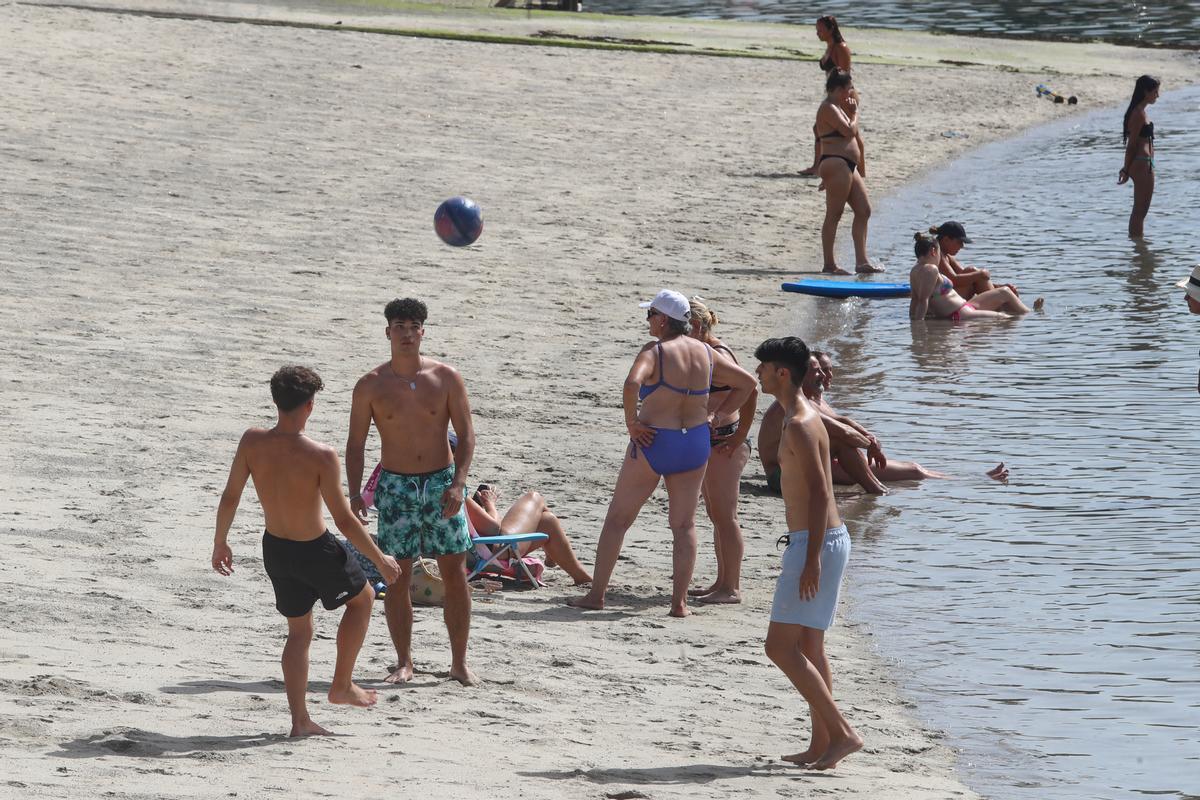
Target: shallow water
1050 626
1169 23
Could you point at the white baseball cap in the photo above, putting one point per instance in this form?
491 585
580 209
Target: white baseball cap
1191 284
673 304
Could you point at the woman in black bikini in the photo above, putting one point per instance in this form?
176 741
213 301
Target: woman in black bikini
837 56
723 477
1138 135
840 171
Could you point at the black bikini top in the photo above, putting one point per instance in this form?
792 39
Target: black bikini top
1147 131
826 64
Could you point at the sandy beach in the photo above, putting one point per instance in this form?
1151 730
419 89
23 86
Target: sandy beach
189 204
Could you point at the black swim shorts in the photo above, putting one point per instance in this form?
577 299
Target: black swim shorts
302 572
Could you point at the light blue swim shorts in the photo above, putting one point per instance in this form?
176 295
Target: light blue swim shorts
817 612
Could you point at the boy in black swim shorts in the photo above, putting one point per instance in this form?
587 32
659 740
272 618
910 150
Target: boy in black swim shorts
292 475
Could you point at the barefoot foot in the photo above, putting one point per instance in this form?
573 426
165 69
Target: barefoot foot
834 269
353 695
721 596
998 472
867 268
587 602
1039 304
401 674
807 757
465 676
583 580
808 172
680 611
838 749
699 592
308 728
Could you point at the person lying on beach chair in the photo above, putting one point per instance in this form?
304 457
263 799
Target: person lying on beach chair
528 514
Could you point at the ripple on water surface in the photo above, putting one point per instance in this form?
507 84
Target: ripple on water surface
1051 625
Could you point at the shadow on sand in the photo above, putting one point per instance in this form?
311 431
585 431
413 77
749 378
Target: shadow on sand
139 743
682 774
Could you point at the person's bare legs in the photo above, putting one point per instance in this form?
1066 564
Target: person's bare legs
853 463
635 483
530 514
860 204
1000 299
683 496
904 471
456 612
784 648
722 485
837 178
350 636
812 645
295 675
1142 175
397 609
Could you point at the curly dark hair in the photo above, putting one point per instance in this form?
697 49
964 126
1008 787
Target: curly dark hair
405 309
292 387
789 352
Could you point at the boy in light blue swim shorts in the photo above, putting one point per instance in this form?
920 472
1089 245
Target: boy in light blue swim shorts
807 592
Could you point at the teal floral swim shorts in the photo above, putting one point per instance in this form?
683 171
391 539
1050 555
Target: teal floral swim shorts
410 516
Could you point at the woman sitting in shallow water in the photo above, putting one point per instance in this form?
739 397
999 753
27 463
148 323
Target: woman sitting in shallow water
933 293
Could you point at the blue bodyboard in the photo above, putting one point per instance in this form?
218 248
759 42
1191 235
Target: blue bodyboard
842 289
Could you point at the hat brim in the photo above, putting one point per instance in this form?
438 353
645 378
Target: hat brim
646 304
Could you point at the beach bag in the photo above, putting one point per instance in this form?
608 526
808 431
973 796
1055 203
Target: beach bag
426 587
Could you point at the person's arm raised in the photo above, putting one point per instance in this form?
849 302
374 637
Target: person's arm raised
356 445
239 473
330 481
464 451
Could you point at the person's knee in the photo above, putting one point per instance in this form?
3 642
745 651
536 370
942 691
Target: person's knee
778 648
300 629
535 497
362 600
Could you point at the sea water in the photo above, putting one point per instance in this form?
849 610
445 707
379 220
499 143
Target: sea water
1171 23
1050 626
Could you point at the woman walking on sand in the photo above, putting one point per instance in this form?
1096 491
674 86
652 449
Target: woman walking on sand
1138 135
841 170
666 411
836 57
723 478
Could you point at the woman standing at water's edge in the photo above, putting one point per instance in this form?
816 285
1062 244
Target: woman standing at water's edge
840 168
1138 135
837 57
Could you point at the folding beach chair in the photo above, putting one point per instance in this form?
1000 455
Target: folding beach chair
506 548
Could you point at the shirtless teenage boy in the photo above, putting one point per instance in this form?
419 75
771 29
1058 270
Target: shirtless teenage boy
292 475
815 559
412 400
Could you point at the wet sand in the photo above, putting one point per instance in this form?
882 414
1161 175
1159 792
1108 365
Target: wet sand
189 205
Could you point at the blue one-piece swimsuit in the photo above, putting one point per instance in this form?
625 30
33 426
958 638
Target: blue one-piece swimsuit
675 450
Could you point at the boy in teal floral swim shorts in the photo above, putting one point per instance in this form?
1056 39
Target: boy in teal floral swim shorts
411 522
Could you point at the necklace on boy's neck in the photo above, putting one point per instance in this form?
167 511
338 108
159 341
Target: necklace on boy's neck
412 382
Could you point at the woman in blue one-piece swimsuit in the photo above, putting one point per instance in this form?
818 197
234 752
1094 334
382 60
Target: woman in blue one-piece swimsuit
666 412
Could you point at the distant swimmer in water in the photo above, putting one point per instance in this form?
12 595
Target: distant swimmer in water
1137 133
967 281
933 293
666 401
836 57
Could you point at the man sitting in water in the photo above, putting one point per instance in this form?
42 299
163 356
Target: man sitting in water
292 475
847 439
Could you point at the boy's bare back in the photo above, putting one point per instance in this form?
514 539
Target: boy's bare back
290 472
